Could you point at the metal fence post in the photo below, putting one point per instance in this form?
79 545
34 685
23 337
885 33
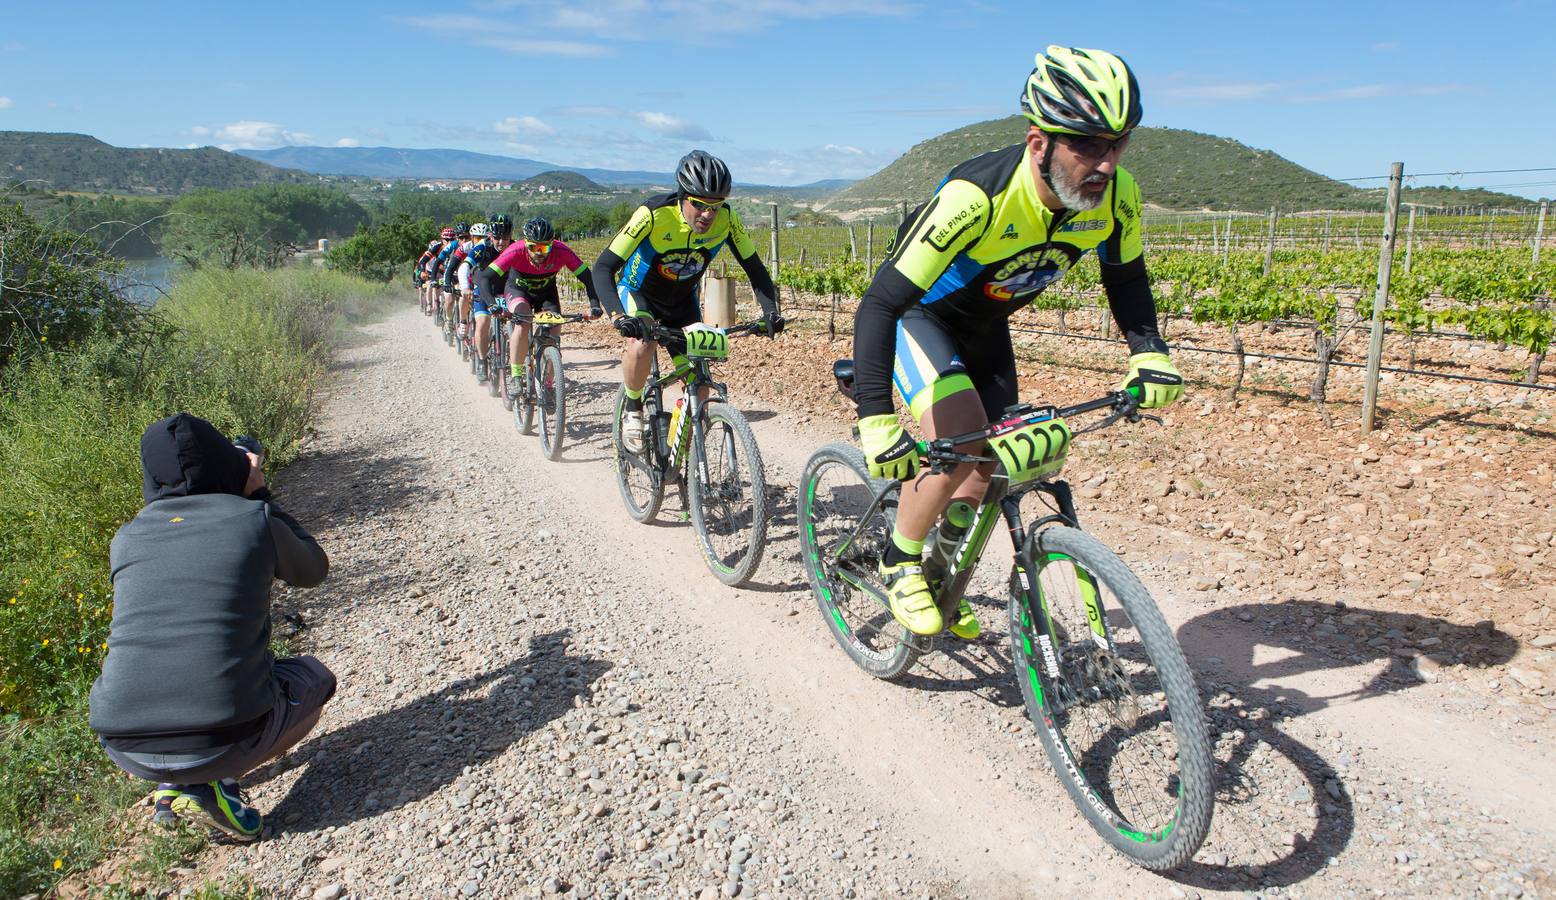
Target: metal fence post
1539 231
1380 299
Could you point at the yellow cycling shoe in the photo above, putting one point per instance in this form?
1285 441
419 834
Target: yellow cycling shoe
912 603
966 625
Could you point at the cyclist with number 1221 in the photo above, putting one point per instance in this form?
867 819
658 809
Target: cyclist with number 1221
660 255
999 229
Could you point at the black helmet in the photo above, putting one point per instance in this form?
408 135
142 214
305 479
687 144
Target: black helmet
462 229
502 225
702 174
538 229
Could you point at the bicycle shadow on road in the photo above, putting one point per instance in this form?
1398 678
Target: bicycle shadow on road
406 754
1260 643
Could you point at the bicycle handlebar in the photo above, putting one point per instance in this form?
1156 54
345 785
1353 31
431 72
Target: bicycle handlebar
660 333
941 454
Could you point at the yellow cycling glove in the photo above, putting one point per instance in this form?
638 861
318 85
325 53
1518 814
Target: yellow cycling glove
888 450
1159 382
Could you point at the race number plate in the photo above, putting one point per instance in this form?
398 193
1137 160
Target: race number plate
547 317
706 343
1031 446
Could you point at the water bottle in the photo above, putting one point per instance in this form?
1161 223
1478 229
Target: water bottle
677 445
958 518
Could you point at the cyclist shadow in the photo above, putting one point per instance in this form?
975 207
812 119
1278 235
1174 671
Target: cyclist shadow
1298 638
403 755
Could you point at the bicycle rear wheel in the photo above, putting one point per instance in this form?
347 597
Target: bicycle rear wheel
642 490
836 491
727 494
1115 705
496 361
549 388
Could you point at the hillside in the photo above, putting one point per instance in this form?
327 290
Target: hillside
78 162
397 162
557 179
1176 168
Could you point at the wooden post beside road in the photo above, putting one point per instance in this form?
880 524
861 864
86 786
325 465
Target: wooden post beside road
853 244
1380 299
774 208
869 244
1269 247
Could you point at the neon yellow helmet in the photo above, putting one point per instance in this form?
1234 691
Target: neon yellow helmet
1077 91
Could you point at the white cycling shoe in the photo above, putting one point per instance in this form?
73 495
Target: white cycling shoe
632 431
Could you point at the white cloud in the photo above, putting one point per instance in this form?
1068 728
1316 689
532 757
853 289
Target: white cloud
248 135
523 125
501 36
527 47
6 103
1220 92
1374 91
844 148
1189 92
199 131
348 142
672 126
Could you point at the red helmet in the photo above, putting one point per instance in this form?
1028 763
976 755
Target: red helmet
448 234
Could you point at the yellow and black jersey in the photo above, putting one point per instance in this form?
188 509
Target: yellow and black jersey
984 246
659 257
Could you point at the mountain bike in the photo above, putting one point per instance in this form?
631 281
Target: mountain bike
543 386
706 448
496 361
1101 674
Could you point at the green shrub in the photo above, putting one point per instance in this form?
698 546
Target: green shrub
244 349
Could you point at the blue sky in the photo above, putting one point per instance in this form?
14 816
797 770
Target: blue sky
788 91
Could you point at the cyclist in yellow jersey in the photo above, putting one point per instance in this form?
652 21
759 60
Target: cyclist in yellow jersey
999 229
652 269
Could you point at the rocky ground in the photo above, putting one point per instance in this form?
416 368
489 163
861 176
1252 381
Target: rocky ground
540 697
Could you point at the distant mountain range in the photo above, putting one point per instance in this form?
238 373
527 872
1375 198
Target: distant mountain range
79 162
394 162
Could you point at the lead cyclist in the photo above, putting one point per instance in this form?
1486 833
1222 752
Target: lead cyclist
999 229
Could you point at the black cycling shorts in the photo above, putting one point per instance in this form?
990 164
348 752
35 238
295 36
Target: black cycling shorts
933 363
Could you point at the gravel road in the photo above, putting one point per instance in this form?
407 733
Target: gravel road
541 697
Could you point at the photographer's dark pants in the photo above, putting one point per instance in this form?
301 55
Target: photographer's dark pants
303 685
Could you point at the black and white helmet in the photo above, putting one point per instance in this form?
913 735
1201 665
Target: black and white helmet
479 230
538 229
502 225
701 174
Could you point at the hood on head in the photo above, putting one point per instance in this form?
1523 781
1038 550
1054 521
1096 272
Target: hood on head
183 455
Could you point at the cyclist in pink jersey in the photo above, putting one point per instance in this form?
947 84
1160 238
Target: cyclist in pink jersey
526 270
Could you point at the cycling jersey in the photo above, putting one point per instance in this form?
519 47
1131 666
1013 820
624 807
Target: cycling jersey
661 259
983 247
532 281
440 259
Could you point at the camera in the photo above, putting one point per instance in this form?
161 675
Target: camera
250 444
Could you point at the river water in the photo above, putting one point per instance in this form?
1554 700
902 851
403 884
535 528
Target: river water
145 281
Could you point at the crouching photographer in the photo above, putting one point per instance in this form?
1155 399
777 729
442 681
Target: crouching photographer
190 695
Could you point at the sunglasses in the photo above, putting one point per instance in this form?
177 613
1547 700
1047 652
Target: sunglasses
703 205
539 248
1093 147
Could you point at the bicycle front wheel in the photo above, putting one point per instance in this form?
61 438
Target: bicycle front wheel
549 387
641 487
727 494
841 557
1113 699
524 400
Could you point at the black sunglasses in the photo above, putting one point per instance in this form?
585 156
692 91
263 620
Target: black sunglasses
1093 147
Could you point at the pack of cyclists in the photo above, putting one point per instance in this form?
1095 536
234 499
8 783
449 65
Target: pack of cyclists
933 325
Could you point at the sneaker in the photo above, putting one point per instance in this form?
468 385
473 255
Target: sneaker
461 333
632 430
966 625
912 603
221 805
516 373
162 804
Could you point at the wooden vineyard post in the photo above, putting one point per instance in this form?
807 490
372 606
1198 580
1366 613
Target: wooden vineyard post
869 244
1226 247
1269 247
1410 238
853 244
1380 299
1539 231
774 208
1328 221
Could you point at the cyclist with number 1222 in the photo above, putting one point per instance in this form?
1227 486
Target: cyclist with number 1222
999 229
660 255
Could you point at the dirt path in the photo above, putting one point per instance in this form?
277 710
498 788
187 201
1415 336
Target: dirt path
540 696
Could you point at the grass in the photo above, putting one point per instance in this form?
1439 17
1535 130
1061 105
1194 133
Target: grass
246 350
